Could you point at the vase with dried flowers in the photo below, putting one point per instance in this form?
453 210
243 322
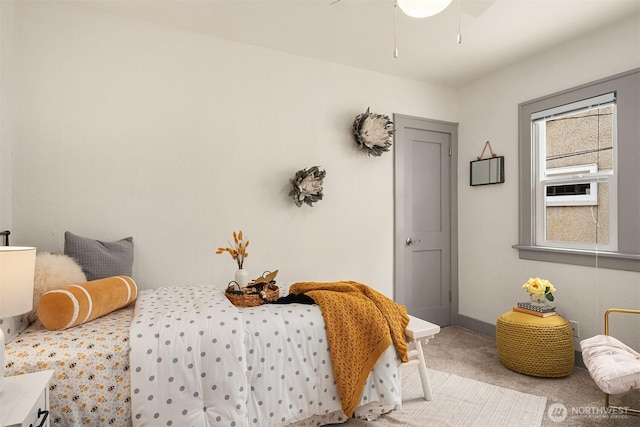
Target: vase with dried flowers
540 290
238 251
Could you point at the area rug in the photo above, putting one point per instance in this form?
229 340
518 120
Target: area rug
460 402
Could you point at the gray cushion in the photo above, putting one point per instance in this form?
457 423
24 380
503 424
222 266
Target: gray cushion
100 259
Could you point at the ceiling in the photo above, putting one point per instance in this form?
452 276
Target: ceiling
360 33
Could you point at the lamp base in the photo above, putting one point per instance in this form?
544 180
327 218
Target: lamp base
1 360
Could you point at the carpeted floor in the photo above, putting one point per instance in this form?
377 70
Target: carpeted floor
467 354
461 402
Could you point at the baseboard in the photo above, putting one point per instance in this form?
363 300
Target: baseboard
489 329
484 328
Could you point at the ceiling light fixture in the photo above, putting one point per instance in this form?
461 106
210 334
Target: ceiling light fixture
418 9
423 8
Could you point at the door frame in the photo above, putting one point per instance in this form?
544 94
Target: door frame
398 188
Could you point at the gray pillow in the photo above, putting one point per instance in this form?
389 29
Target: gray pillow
100 259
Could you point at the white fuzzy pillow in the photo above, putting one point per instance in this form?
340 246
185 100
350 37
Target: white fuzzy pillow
53 271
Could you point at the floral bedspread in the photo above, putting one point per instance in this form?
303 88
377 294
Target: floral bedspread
91 384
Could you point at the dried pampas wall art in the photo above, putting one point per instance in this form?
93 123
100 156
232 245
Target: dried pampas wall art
373 132
307 186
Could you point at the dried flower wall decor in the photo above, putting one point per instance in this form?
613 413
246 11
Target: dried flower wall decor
373 132
307 186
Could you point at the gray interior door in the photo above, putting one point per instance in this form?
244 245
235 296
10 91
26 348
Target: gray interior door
423 217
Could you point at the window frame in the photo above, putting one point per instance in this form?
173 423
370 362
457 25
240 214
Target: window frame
626 86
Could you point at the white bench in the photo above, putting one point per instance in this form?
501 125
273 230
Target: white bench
416 331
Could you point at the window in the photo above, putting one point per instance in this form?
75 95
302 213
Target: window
574 148
580 175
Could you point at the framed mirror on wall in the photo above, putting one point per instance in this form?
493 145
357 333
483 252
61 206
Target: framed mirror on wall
487 171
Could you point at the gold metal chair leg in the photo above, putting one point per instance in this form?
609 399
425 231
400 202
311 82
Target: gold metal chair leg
620 409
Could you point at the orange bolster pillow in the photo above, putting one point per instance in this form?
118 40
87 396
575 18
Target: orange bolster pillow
74 305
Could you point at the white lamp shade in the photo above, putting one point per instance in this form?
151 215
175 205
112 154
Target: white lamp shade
422 8
17 267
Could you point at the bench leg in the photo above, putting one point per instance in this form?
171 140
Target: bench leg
422 367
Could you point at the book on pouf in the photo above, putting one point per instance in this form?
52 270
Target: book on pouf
537 308
534 313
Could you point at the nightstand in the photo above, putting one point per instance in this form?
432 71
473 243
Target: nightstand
24 401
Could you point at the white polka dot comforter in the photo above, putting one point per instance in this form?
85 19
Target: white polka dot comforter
197 360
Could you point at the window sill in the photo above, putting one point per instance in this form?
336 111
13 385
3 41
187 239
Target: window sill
612 260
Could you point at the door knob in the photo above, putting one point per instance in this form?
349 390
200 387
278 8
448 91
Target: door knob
411 241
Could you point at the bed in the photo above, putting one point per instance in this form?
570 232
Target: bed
185 356
91 384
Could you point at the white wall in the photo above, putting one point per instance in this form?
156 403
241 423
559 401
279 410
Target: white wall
6 109
175 138
490 272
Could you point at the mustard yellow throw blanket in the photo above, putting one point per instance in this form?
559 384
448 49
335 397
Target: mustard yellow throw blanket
361 324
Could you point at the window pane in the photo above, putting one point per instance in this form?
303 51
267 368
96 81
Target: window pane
581 138
575 145
583 225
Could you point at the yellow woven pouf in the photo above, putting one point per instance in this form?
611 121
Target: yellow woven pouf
538 346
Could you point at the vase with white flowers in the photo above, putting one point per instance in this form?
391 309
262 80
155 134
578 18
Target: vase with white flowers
238 251
540 290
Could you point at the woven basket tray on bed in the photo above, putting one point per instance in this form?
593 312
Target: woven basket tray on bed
252 296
